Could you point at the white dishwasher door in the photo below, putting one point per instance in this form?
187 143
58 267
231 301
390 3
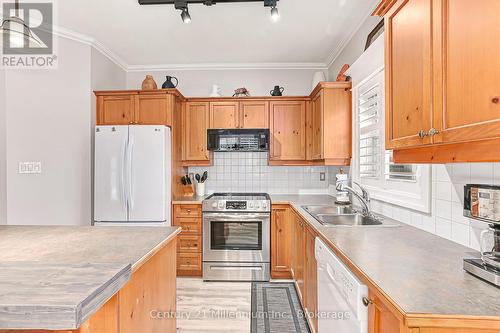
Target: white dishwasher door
340 295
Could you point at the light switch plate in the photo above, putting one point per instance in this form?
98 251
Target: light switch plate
30 167
322 176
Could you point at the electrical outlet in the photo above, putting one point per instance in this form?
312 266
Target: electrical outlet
322 176
30 167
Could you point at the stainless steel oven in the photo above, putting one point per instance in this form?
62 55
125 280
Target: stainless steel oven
236 242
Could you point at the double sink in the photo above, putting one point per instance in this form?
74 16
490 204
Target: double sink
344 216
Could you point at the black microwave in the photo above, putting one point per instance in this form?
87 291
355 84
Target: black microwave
243 140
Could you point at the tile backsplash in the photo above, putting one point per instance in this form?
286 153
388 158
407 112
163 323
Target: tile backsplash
446 218
249 172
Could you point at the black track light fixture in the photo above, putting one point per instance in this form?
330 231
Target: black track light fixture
182 5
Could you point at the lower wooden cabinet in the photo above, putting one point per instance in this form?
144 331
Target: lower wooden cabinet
298 259
281 242
380 318
189 244
311 279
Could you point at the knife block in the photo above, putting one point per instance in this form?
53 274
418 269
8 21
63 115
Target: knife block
188 190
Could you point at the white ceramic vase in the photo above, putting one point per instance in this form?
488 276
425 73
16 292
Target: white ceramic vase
215 91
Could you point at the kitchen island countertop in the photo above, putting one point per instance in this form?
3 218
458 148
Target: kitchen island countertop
54 277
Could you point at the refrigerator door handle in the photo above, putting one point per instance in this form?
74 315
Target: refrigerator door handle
122 175
130 173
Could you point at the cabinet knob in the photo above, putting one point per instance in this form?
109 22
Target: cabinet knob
495 100
422 134
367 301
433 132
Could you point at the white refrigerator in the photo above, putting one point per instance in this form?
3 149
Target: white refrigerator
132 176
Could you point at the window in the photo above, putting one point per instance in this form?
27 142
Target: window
406 185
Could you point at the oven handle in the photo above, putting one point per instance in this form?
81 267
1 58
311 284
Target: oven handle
235 268
236 217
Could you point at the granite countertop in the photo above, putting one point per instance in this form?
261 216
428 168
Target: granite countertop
55 278
419 272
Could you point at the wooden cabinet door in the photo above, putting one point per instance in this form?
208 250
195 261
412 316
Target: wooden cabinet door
317 127
311 279
195 125
466 49
254 114
380 318
224 115
281 242
299 260
408 73
288 130
154 109
115 109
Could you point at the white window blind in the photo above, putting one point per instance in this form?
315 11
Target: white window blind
369 130
399 172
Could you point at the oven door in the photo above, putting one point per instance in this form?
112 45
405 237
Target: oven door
236 237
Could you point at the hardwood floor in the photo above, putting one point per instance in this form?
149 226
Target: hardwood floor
213 306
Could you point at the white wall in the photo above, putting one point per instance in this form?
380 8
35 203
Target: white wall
354 48
3 179
50 117
297 82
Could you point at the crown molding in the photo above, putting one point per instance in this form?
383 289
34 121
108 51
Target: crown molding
78 37
341 47
226 66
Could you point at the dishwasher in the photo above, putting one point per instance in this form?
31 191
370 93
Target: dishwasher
340 295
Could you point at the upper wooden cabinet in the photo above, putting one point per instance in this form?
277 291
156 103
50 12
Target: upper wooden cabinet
288 130
234 114
195 124
408 73
329 129
135 107
442 80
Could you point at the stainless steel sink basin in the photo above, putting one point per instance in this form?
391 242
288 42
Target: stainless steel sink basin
329 210
347 220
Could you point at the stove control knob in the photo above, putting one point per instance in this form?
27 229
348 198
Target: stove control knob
257 205
214 205
221 205
250 204
264 205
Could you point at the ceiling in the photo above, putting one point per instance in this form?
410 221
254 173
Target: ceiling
237 33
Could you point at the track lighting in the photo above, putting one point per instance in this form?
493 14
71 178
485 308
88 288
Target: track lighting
275 15
186 18
182 5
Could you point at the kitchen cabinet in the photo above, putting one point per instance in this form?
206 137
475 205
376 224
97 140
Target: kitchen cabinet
195 124
330 130
234 114
254 114
311 280
281 242
380 318
224 115
135 107
287 130
442 79
115 109
189 245
298 259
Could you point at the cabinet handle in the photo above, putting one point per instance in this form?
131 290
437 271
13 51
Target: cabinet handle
367 301
433 132
189 211
495 100
422 134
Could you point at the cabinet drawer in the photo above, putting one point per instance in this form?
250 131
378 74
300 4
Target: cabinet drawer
187 210
189 261
189 225
191 244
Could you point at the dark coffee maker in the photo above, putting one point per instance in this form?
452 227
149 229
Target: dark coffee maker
277 91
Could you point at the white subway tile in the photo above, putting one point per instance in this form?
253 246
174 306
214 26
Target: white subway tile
443 228
496 173
443 190
461 173
442 174
443 209
457 214
417 220
460 233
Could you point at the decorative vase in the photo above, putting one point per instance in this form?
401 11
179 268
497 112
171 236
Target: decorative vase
317 78
277 91
215 91
149 83
168 84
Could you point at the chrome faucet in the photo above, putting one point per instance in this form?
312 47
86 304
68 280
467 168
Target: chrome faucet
363 198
